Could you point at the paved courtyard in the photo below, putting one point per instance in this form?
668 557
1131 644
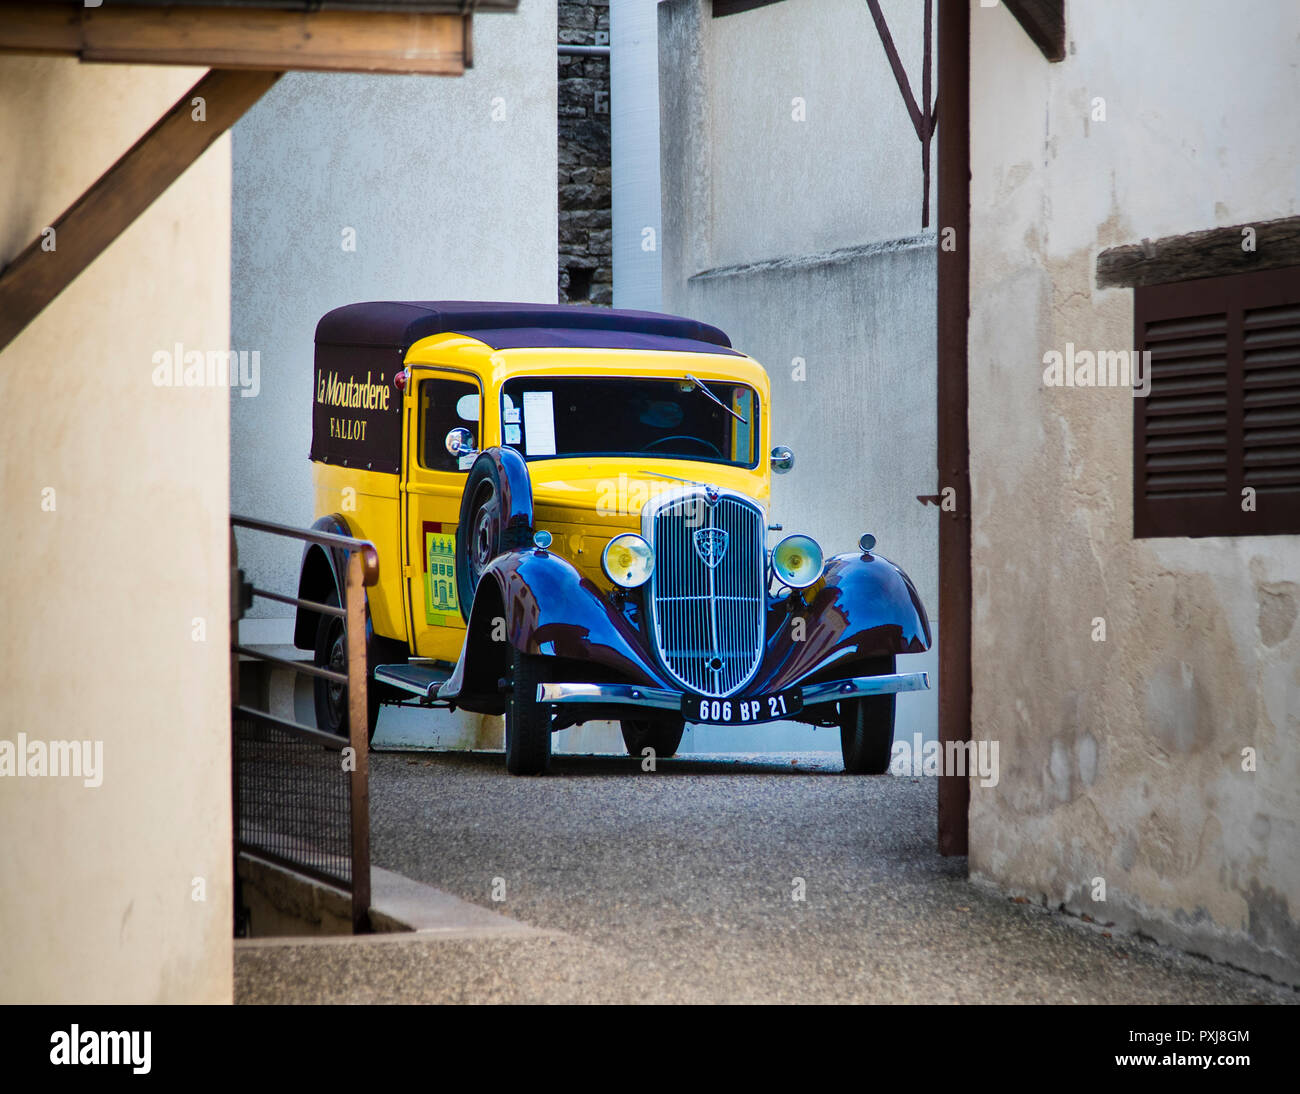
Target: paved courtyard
679 886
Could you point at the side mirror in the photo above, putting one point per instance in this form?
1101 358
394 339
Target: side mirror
460 442
782 459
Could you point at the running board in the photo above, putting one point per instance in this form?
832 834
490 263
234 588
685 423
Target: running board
422 679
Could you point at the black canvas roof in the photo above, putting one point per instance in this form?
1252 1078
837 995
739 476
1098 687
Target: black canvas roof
400 323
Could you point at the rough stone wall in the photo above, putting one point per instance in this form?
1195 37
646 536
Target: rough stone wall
586 272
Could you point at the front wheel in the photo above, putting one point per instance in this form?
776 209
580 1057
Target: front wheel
867 727
528 722
664 737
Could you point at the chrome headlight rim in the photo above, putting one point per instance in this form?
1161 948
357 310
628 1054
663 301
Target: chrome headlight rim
625 580
791 582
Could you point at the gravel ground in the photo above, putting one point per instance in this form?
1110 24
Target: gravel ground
677 886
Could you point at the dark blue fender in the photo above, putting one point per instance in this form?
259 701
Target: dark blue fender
322 568
548 608
864 607
516 489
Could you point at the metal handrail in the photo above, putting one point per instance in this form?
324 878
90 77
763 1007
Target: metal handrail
307 733
297 602
370 556
292 666
361 572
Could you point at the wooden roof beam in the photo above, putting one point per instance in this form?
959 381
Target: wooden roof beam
242 38
1044 22
121 194
1214 252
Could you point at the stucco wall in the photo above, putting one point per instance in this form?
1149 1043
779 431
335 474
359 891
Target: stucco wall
450 187
792 190
1121 759
850 170
102 593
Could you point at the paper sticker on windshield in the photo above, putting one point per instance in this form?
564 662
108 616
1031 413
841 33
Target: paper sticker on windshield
539 424
512 434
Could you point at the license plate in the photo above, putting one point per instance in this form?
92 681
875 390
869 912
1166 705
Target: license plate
744 711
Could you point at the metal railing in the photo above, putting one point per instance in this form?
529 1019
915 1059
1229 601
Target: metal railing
301 796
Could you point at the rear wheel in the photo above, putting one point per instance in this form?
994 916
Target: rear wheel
867 727
664 737
331 699
528 722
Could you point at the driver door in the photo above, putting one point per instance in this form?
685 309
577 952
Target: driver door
437 401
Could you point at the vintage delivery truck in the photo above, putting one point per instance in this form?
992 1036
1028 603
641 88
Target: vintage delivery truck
570 507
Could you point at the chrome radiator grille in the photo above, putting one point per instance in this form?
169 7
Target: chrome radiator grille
708 620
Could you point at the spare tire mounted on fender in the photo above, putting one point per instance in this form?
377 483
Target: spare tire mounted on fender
492 519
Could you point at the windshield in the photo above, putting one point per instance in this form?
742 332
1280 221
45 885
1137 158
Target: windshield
630 416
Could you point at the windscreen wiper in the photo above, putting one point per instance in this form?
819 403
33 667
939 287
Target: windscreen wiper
698 386
675 478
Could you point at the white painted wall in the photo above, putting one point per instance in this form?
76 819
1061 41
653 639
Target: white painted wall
803 240
850 172
450 187
1122 760
445 201
634 154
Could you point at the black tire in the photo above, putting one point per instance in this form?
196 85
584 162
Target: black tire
867 727
331 699
528 722
664 737
480 533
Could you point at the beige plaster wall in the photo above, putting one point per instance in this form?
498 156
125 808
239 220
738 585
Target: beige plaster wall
115 602
1122 759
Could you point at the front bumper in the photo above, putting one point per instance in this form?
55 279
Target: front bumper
635 695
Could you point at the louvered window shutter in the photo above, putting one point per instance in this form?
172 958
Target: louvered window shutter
1223 413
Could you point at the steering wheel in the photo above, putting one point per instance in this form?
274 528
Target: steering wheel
684 437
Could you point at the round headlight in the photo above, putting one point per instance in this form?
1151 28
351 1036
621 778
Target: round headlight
797 561
628 560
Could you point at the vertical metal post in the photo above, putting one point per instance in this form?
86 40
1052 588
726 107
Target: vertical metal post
236 610
358 732
952 383
927 117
